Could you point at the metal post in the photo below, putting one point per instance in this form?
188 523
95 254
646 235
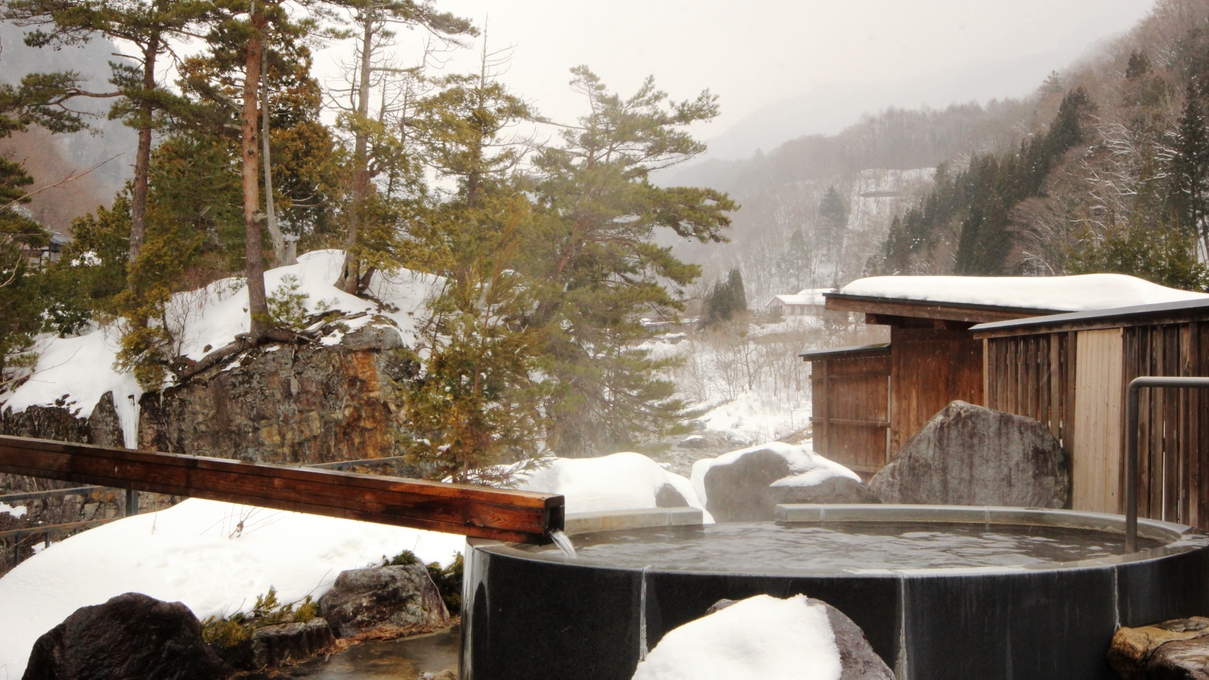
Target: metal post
132 502
1131 446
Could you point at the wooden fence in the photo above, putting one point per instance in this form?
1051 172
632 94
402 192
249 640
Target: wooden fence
1033 376
1173 424
1071 374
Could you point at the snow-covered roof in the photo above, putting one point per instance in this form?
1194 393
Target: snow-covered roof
805 297
1084 292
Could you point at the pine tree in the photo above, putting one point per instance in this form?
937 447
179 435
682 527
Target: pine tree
726 302
148 27
593 251
376 139
1189 194
833 218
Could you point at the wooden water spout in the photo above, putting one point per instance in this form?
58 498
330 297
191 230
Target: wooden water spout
519 516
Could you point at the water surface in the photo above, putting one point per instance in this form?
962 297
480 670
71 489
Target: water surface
757 546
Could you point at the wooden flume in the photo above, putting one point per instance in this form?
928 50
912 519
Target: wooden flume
519 516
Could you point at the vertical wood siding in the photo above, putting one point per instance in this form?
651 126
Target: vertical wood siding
851 410
931 367
1096 456
1036 376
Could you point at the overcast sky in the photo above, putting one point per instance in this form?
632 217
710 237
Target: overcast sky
755 53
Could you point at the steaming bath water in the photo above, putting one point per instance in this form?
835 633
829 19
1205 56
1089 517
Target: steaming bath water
846 546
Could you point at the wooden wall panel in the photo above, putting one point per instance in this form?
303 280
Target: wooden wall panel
851 410
1099 414
931 367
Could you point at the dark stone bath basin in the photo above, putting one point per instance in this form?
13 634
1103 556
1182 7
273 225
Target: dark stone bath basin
1038 613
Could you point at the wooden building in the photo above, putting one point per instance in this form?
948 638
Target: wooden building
867 401
1071 371
808 302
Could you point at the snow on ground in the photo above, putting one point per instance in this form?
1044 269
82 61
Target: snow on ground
75 372
621 481
214 557
216 314
18 512
1085 292
751 418
78 371
760 637
806 467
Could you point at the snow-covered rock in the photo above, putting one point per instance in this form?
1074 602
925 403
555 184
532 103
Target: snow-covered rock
213 557
760 637
738 486
621 481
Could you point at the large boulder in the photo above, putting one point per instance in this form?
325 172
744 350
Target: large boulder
970 455
768 638
1169 650
130 637
389 599
747 485
830 491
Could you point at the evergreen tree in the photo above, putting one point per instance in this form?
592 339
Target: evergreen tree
479 402
1189 194
150 28
36 100
994 186
592 251
727 301
378 141
833 218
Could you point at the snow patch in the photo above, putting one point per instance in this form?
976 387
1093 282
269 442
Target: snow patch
17 512
1081 293
214 557
760 637
77 372
621 481
749 418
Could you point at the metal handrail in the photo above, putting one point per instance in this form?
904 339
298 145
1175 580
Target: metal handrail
1131 445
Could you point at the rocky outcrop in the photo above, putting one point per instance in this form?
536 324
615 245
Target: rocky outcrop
387 599
60 422
305 403
1170 650
287 404
130 637
970 455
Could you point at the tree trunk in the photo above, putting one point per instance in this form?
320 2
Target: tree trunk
258 307
142 157
351 276
279 250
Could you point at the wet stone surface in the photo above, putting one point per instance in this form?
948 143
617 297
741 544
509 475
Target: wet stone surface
402 659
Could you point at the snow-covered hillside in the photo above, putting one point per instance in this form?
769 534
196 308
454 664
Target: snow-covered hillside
77 371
